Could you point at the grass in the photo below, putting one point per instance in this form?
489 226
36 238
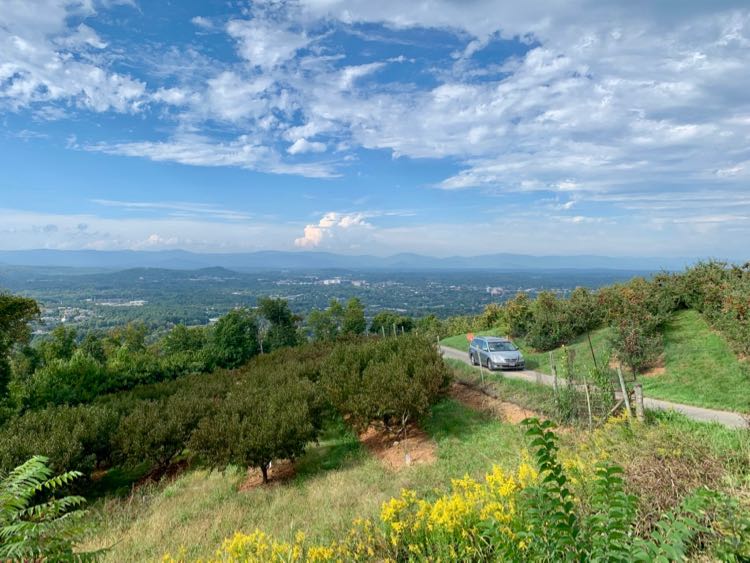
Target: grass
700 367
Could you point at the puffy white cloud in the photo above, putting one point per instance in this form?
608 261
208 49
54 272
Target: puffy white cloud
332 228
43 59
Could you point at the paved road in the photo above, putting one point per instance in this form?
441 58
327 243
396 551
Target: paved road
730 419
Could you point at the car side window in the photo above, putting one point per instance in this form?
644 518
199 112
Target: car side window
485 347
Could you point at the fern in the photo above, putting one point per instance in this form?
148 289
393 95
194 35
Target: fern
553 522
612 513
32 529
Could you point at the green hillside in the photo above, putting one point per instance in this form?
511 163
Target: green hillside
699 367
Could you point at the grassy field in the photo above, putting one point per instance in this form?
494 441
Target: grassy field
700 367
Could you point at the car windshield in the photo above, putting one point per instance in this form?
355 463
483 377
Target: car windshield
502 347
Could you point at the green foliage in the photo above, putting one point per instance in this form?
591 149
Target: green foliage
353 322
60 345
283 323
71 437
157 431
392 380
235 338
519 315
271 416
15 315
553 527
323 323
550 326
386 322
559 529
34 524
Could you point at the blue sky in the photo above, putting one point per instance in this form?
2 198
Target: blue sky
440 127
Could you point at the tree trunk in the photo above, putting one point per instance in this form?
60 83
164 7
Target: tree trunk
264 471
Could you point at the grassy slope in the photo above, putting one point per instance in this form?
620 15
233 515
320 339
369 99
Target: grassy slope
701 369
337 481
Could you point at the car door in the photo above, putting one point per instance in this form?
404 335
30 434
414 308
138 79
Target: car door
474 350
484 352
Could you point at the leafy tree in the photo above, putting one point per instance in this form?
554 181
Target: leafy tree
15 315
184 339
635 343
492 316
518 314
272 416
387 321
548 328
34 524
392 380
353 322
77 380
71 437
93 346
131 337
61 344
283 323
157 431
583 311
235 338
323 323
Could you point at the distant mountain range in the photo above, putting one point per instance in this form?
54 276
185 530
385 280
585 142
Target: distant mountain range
274 260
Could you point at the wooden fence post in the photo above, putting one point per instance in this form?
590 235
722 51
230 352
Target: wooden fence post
638 390
588 402
624 390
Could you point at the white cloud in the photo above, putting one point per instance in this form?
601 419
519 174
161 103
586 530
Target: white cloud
335 229
43 60
301 146
263 43
196 150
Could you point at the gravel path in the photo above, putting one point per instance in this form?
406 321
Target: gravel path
727 418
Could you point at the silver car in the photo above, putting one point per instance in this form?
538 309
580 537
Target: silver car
493 352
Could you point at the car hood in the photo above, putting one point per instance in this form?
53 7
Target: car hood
503 356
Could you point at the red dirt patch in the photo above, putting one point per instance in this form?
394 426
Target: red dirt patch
657 369
279 472
396 453
475 399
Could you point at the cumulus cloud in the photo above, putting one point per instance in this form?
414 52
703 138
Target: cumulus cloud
44 60
332 227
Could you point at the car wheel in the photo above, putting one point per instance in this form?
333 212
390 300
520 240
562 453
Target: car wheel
488 365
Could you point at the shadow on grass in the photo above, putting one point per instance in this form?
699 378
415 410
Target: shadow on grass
337 447
116 482
451 419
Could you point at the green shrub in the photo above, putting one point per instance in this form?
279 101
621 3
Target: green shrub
34 524
392 379
73 438
267 417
